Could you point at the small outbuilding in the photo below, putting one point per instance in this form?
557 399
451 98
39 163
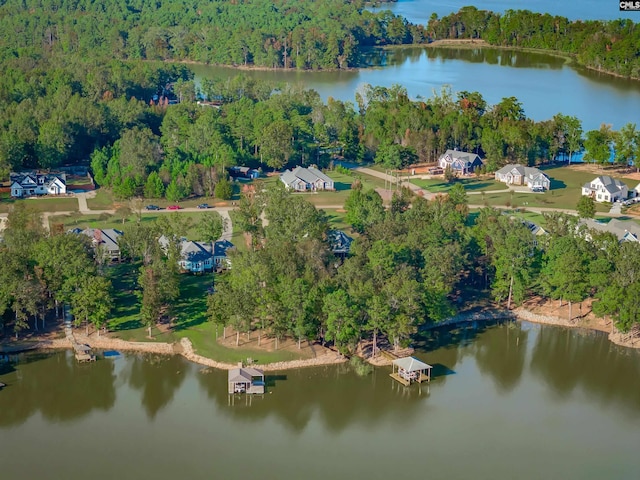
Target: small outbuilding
246 380
408 370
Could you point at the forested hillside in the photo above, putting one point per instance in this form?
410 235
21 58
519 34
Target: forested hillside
276 34
611 46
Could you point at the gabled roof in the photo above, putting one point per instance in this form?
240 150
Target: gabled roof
107 237
529 172
340 242
623 230
611 185
411 364
241 375
320 175
31 178
288 177
307 175
221 247
467 157
195 251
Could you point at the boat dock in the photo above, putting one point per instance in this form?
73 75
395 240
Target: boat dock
408 370
83 353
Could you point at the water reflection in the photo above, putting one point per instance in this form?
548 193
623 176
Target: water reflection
158 377
571 366
57 387
335 395
570 360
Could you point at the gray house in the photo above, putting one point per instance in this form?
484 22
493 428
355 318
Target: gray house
306 179
520 175
105 241
462 163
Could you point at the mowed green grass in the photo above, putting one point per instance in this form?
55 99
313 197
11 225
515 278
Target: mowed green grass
566 189
438 185
189 319
106 220
48 204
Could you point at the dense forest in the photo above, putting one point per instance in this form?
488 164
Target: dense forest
80 112
412 265
266 33
610 46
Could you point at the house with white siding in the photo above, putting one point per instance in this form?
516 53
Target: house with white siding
605 189
31 183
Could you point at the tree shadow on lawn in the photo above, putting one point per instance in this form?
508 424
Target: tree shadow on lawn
557 184
341 186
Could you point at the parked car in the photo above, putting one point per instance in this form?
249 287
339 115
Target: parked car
152 207
204 205
537 189
173 207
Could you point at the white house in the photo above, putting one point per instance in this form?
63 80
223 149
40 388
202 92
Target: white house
520 175
605 189
462 163
31 183
306 179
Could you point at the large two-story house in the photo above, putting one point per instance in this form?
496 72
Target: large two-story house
462 163
521 175
32 183
200 257
605 189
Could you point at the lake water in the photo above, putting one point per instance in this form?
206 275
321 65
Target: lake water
521 401
545 84
419 11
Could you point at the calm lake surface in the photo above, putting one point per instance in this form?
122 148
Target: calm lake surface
520 401
419 11
545 84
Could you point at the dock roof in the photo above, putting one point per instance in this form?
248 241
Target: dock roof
411 364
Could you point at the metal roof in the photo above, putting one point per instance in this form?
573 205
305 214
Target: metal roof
411 364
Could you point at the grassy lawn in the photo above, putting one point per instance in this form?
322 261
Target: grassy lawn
337 220
49 204
566 185
106 220
190 320
469 184
102 201
237 237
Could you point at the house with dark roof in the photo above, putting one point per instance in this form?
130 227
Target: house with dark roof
605 189
303 179
243 172
104 241
521 175
462 163
340 243
200 257
32 183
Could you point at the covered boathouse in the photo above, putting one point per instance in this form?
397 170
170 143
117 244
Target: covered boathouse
407 370
246 380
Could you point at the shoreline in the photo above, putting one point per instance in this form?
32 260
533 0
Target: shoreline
185 347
